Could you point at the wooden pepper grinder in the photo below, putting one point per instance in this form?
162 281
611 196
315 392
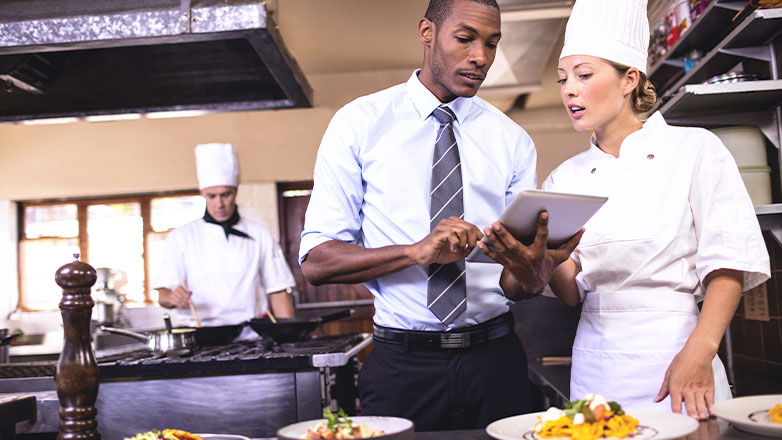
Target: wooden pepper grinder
77 370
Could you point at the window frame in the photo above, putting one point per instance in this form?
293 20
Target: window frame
82 203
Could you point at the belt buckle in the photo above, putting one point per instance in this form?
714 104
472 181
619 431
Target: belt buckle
455 340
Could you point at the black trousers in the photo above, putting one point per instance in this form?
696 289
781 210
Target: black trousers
442 389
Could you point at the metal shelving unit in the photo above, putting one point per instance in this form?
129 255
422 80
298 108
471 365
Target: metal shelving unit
756 41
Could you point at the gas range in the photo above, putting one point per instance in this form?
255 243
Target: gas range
241 356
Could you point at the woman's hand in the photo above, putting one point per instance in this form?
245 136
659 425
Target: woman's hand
689 379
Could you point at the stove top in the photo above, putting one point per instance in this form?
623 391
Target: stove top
241 356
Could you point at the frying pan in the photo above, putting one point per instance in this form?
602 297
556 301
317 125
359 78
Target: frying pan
293 329
217 335
170 341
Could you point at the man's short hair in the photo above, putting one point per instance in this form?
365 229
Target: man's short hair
439 10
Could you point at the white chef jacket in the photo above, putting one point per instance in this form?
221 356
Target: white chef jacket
230 277
677 210
372 180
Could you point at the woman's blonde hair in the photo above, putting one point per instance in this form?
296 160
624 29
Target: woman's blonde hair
644 97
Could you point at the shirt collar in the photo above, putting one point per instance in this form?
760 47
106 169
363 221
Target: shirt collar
425 101
651 124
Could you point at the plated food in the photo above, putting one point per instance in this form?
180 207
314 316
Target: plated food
166 434
593 418
776 413
753 414
382 428
590 418
339 426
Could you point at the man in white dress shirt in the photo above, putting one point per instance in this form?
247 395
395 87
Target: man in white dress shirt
375 217
229 267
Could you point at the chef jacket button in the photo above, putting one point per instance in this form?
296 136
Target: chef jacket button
650 156
593 170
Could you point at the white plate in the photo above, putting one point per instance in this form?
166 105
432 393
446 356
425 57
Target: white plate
222 437
396 428
750 414
653 425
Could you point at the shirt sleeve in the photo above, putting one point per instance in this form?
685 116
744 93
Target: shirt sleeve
171 271
334 209
726 226
525 161
275 273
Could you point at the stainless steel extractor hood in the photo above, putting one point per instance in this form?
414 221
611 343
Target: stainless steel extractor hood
62 58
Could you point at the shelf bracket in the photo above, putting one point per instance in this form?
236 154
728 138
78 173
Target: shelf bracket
766 122
185 12
755 52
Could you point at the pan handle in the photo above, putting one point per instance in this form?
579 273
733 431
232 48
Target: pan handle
337 315
141 337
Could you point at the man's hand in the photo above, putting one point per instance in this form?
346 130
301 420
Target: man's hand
179 298
532 265
452 239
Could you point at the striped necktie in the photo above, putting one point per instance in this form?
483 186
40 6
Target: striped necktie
447 287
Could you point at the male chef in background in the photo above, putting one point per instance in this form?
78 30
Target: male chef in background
229 267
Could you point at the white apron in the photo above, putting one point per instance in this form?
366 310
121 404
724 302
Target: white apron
630 338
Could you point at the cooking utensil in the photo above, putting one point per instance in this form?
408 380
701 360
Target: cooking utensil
195 315
174 341
217 335
271 316
5 341
293 329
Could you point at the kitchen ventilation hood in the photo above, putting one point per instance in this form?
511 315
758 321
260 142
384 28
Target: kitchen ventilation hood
65 58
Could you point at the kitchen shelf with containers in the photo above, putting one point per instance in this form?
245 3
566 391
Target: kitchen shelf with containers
720 69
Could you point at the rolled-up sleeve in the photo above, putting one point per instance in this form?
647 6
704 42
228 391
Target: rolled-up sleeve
726 226
334 211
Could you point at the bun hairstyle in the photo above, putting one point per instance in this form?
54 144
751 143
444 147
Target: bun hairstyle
644 96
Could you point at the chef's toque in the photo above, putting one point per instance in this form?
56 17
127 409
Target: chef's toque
216 165
615 30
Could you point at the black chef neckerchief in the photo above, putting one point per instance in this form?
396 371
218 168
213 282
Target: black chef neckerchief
227 225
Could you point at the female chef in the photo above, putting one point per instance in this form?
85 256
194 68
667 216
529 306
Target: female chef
678 226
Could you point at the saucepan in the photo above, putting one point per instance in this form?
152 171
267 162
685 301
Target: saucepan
172 341
293 329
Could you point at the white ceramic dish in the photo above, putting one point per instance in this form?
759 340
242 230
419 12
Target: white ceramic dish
653 425
750 414
395 428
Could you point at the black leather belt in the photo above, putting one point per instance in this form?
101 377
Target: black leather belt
461 338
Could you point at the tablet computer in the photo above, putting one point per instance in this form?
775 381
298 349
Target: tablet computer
567 214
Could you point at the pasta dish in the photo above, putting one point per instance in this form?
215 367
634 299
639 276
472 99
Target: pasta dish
776 413
587 419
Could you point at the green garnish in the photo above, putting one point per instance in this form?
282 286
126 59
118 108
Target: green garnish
589 416
616 408
340 418
574 407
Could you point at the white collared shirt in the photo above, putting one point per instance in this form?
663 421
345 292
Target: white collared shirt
372 180
677 210
229 278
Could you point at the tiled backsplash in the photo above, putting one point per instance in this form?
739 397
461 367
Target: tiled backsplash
757 345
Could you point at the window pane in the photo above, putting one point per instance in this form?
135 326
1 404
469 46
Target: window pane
115 234
40 260
51 221
155 246
170 212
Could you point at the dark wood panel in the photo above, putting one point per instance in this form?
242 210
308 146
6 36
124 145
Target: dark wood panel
293 198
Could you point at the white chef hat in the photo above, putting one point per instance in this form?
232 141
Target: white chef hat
216 165
615 30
